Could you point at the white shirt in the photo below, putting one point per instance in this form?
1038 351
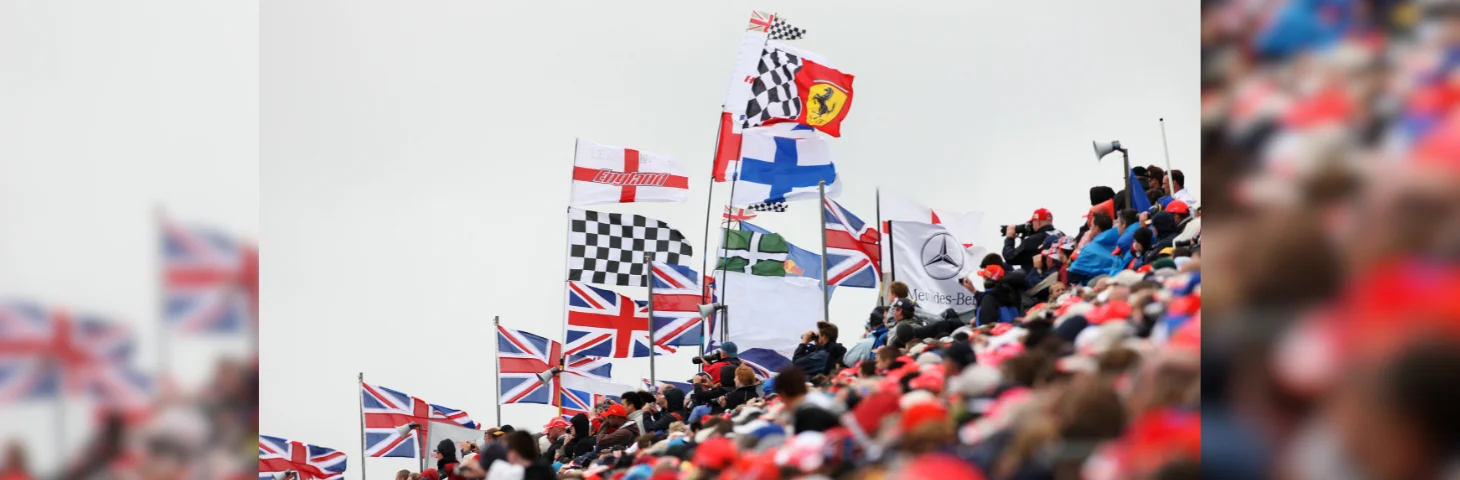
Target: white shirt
1184 195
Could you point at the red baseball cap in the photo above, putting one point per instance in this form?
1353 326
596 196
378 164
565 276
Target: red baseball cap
1041 214
555 422
1178 206
992 272
616 411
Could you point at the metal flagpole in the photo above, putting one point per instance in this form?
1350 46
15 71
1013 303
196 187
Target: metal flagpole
705 251
891 255
360 387
497 370
881 299
825 298
649 279
724 282
1170 187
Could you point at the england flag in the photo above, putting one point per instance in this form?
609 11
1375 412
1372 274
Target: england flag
610 174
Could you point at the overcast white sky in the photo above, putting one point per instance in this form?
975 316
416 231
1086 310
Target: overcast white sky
109 110
416 157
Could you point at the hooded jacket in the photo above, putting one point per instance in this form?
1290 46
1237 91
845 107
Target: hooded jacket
1098 257
1165 225
447 464
675 412
582 441
620 436
637 420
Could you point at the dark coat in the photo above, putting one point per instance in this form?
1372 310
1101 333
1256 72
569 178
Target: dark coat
1023 255
584 441
620 436
674 413
741 395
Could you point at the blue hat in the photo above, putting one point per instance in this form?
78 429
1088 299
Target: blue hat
730 350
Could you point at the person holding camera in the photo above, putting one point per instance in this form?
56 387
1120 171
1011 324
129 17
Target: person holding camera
722 364
612 433
818 352
1040 225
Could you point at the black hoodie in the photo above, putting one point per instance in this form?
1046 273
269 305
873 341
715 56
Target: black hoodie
675 412
447 463
1166 232
582 441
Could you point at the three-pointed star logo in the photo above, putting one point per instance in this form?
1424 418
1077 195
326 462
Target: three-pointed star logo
942 257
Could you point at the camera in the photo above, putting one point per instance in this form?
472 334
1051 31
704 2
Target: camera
708 358
1022 229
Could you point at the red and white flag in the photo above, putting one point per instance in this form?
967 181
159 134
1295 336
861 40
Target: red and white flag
610 174
962 225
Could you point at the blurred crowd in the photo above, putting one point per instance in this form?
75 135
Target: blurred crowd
1081 361
1331 148
210 433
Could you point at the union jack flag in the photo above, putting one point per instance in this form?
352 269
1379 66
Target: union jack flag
310 461
682 386
522 357
736 215
764 362
852 248
603 323
43 350
760 21
580 394
210 280
677 298
386 409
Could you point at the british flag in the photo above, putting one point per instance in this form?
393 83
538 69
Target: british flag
677 297
310 461
44 349
603 323
523 356
386 409
852 248
764 362
580 394
210 280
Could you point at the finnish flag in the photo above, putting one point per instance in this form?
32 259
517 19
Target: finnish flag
778 165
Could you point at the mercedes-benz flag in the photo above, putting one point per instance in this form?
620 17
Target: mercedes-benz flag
930 261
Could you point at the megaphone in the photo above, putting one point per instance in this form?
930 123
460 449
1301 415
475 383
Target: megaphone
403 430
709 309
1104 148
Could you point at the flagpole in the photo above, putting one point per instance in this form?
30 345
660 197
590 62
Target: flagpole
649 279
567 257
360 387
725 281
1170 188
891 255
705 247
881 298
825 298
497 364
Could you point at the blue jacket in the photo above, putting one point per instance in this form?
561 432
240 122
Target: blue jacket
1127 238
1096 258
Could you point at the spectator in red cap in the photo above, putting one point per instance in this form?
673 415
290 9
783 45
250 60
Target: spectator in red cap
1041 224
610 435
555 433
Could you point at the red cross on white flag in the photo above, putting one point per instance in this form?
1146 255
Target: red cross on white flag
610 174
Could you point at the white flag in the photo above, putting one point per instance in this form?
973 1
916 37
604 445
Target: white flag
930 261
768 312
610 174
438 431
963 225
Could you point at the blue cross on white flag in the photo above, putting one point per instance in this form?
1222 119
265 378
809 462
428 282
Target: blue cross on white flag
783 166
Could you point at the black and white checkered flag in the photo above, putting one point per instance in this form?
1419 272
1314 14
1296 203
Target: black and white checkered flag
780 30
773 90
609 248
768 207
